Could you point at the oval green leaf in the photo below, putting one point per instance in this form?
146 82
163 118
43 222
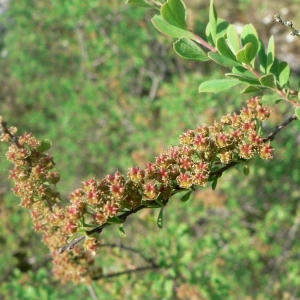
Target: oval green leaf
213 21
170 30
187 49
174 13
44 145
251 89
243 78
217 85
224 49
222 60
249 35
284 73
270 54
233 39
268 81
245 54
246 170
186 196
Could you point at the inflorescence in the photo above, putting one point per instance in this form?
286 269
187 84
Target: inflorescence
232 138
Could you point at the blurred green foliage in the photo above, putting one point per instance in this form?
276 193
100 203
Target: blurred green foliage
99 81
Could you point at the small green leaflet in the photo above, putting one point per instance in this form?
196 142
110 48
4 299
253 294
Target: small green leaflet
297 112
214 183
122 231
160 219
246 170
186 196
45 145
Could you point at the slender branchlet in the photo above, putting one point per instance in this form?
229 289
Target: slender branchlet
289 24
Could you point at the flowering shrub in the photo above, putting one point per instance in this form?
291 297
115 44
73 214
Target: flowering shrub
202 155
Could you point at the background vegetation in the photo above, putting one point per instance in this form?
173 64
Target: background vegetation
97 79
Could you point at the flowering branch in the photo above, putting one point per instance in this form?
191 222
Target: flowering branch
203 155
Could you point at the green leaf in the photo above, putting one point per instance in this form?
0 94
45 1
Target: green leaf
240 70
170 30
233 40
222 60
187 49
271 99
222 26
186 196
243 78
174 13
246 170
284 73
262 57
245 54
45 145
224 49
213 19
268 80
141 3
217 85
297 112
270 54
299 96
249 35
122 231
214 183
160 219
251 89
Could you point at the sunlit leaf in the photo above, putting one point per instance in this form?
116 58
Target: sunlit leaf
174 13
270 54
222 60
268 80
217 85
297 112
245 54
249 35
170 30
187 49
213 19
233 39
243 78
224 49
284 73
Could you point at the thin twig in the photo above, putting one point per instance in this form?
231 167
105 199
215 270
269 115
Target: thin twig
126 272
289 24
92 292
271 136
147 259
99 229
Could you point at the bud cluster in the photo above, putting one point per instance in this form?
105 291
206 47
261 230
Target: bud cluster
232 138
